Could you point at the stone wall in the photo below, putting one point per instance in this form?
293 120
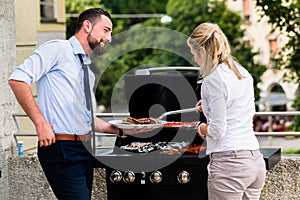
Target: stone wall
7 101
27 181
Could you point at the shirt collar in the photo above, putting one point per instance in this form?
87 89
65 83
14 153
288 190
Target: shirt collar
77 49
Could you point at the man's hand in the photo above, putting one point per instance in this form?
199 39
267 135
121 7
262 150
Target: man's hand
136 130
45 134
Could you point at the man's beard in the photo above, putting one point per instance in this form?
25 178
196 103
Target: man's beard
96 46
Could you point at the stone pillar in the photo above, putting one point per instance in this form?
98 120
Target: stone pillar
8 103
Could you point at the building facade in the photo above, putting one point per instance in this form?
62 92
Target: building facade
45 21
275 94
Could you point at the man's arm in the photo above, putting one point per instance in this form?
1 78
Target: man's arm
105 127
25 98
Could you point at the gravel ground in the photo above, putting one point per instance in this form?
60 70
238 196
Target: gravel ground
283 181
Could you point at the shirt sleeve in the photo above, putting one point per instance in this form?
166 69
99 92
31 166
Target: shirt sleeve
217 105
38 64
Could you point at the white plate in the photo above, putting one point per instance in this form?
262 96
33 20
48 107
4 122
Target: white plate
121 125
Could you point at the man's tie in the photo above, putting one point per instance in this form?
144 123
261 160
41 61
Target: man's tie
88 97
87 90
86 81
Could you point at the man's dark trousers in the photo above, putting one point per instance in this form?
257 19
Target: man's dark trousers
68 166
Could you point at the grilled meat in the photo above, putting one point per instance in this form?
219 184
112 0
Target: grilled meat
132 120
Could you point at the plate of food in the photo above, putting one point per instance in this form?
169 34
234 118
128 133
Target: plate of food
131 123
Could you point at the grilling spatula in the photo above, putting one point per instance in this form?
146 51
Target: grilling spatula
176 112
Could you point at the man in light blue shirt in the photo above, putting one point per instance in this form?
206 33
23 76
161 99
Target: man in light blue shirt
59 81
62 120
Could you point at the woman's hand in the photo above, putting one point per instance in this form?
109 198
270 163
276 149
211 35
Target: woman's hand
202 130
199 106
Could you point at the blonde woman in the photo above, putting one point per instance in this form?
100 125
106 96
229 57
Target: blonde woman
237 168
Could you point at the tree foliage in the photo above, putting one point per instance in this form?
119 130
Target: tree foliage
133 7
186 15
285 17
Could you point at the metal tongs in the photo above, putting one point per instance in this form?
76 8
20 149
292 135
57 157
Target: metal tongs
176 112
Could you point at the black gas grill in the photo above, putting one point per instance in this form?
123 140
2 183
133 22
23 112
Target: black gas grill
159 172
156 175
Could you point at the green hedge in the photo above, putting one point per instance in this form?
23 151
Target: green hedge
291 151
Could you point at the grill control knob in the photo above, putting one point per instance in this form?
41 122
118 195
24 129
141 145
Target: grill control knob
156 177
183 177
116 176
143 175
129 177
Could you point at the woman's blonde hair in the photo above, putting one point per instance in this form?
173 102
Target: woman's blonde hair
213 40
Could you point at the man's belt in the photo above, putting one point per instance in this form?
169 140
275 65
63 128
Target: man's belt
71 137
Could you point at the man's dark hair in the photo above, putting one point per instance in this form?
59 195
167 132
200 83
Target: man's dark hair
92 15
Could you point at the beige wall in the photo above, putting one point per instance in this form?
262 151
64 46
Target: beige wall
26 23
29 29
28 26
48 31
61 18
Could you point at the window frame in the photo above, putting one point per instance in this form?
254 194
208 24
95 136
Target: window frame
49 4
273 43
246 10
